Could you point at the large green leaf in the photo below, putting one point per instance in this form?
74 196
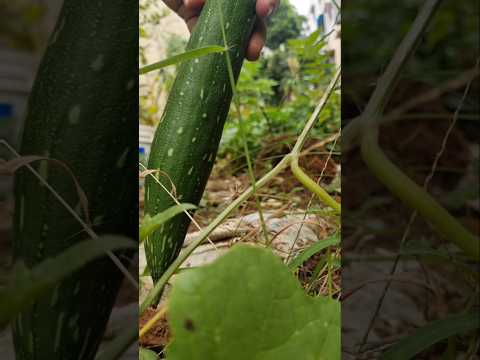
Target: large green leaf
248 305
431 334
26 285
146 354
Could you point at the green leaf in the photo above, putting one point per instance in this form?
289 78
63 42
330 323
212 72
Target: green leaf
26 285
146 354
314 249
150 224
248 305
431 334
188 55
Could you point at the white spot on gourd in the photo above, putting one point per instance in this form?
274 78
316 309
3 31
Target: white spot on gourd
170 152
201 94
30 342
227 25
194 139
98 63
204 115
197 61
180 130
43 170
59 331
190 171
85 343
44 230
74 115
54 37
55 297
19 323
22 212
182 93
76 334
73 320
122 159
130 84
78 208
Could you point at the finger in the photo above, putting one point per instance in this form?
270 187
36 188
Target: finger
266 7
188 15
192 22
173 4
257 41
194 4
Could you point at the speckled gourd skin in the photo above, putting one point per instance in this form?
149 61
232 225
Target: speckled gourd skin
186 141
83 111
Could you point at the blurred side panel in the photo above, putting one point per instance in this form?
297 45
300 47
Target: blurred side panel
410 250
68 149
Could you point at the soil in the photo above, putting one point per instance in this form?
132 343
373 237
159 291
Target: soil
158 337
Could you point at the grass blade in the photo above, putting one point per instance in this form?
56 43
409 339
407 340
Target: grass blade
150 224
431 334
27 285
188 55
314 249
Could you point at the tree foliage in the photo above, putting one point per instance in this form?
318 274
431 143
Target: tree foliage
285 24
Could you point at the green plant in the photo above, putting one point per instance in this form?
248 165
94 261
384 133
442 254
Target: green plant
241 257
281 166
283 25
186 142
277 93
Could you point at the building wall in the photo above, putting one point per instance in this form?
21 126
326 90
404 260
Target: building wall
331 20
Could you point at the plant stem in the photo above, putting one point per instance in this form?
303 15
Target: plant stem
313 187
415 197
242 129
146 328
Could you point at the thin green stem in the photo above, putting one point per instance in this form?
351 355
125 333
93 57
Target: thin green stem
415 196
301 176
329 272
242 129
313 118
313 187
372 115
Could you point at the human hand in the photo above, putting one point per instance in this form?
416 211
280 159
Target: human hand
189 10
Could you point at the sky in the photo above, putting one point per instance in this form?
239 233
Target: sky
303 6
